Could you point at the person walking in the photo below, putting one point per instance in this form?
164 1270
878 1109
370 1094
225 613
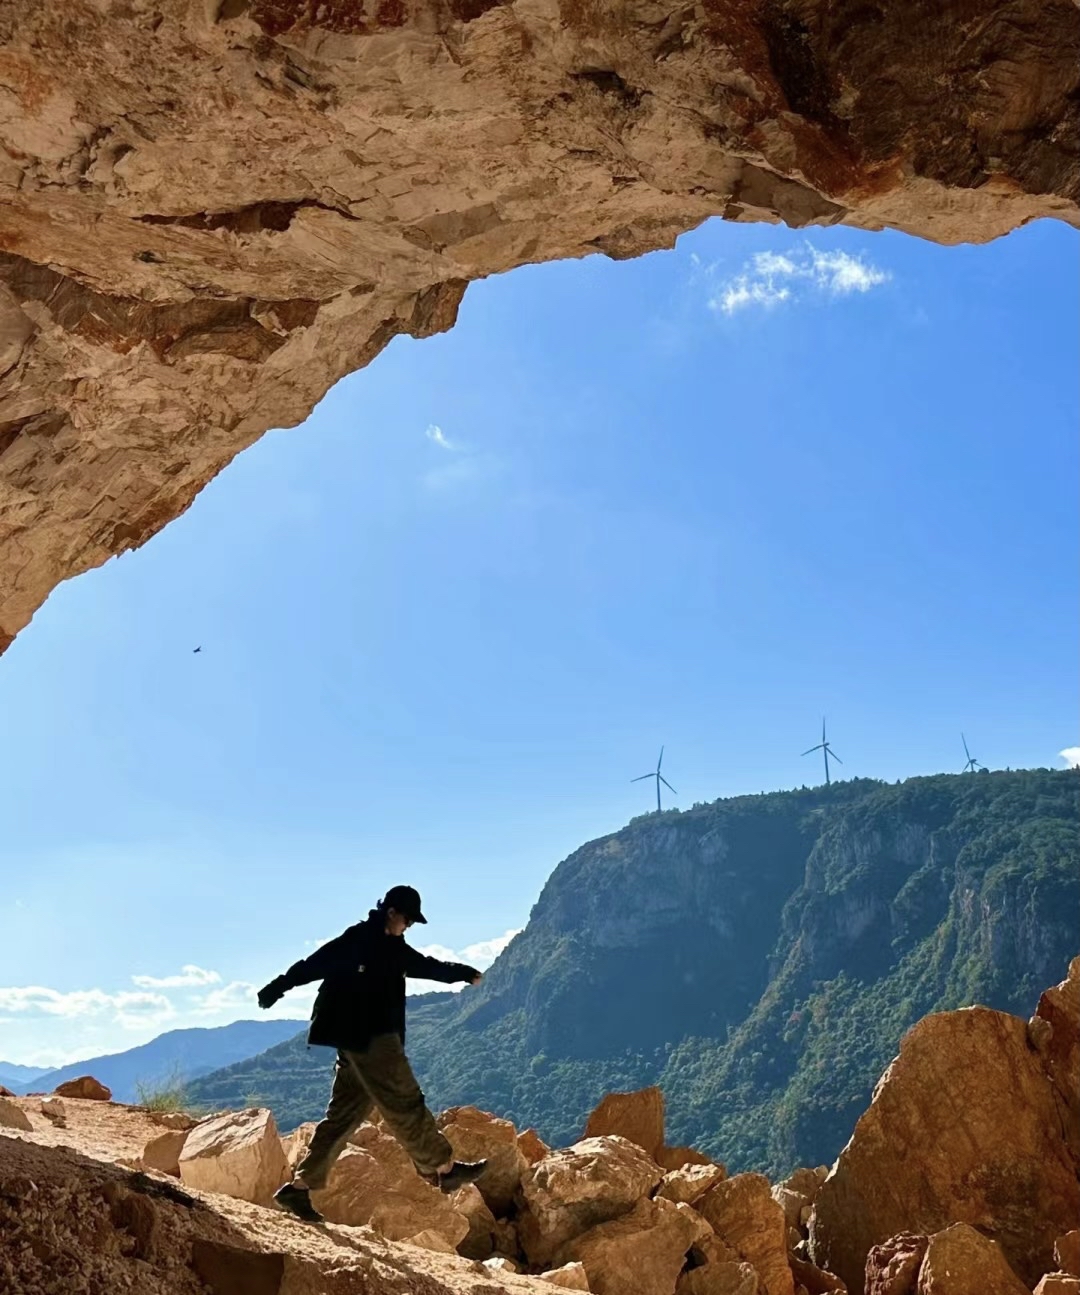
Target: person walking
360 1011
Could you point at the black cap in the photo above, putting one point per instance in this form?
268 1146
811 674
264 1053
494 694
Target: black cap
406 901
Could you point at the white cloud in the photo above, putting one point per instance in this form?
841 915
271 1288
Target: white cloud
189 975
484 952
769 278
226 998
1071 756
128 1008
436 434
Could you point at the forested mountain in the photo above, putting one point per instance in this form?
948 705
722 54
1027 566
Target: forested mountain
758 957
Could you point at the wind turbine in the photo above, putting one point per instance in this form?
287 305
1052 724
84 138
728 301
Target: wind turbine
823 745
659 779
972 764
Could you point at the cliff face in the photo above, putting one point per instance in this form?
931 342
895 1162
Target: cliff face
214 209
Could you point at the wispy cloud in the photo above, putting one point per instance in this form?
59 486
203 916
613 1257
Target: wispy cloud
1071 756
189 975
479 955
437 436
769 279
484 952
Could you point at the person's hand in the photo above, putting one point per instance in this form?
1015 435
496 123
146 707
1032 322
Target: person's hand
269 994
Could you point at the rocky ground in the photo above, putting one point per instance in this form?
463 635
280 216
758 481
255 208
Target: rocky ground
961 1179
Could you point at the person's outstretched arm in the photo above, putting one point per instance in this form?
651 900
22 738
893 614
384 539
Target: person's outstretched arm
421 967
334 955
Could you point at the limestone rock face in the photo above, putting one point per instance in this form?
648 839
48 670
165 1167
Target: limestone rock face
640 1253
572 1190
963 1127
480 1240
163 1152
961 1261
742 1212
476 1135
676 1157
727 1278
14 1117
86 1087
690 1182
238 1154
169 289
1059 1007
892 1268
637 1116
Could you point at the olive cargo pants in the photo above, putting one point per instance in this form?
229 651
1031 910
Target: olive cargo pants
381 1077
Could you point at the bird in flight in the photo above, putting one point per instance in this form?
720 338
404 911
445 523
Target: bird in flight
198 649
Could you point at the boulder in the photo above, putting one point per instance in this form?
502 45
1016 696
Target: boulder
532 1146
676 1157
475 1135
1058 1284
1067 1252
5 1092
892 1268
637 1116
374 1182
14 1117
640 1253
570 1277
814 1280
238 1154
295 1144
574 1189
690 1182
961 1261
500 1264
479 1241
54 1109
963 1127
1059 1007
163 1152
792 1203
729 1277
742 1212
506 1237
86 1087
173 1120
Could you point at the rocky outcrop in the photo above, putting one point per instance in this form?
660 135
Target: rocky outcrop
1059 1042
213 211
374 1183
476 1135
964 1128
640 1253
86 1087
892 1268
961 1261
13 1116
237 1154
744 1215
689 1183
1067 1252
163 1152
636 1116
568 1277
572 1190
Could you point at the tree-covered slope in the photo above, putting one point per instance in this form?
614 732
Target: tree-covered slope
759 957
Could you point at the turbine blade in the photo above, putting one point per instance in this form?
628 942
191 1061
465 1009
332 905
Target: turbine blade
836 757
813 749
660 761
668 785
643 777
823 728
966 751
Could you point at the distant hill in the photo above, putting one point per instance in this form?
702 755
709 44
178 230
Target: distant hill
11 1074
758 957
179 1054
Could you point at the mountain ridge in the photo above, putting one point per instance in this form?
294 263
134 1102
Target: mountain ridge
758 957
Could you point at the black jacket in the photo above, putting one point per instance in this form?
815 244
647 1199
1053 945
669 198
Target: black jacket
363 984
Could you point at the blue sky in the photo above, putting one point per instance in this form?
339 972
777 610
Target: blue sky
697 499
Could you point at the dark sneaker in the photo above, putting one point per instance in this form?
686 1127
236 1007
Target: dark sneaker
459 1173
297 1200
